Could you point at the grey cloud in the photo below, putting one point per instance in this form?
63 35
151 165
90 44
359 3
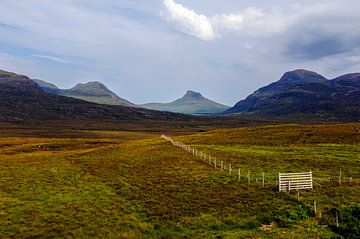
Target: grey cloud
326 30
319 45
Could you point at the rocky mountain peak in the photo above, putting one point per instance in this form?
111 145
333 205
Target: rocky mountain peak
92 88
193 95
301 76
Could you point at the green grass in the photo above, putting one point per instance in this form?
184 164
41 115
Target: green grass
130 185
272 149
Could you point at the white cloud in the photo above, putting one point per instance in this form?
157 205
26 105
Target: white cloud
188 21
232 21
248 46
251 21
52 58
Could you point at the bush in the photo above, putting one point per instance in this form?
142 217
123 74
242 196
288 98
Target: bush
290 217
348 218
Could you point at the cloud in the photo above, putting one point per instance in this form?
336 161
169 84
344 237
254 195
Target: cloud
231 21
316 34
52 58
250 21
316 47
127 45
188 21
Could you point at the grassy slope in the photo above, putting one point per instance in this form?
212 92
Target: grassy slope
323 149
106 100
123 185
190 108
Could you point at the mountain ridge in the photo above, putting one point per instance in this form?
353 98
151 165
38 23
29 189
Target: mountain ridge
191 103
93 91
306 95
23 100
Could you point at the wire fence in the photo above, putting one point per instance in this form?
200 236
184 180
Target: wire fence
269 180
249 176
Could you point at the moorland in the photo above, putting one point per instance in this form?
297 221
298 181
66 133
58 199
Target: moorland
101 181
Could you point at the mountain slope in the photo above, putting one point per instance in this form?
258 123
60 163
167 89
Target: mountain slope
22 99
95 92
47 87
305 94
191 103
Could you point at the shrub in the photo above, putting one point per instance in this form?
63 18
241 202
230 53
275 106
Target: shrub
348 220
290 217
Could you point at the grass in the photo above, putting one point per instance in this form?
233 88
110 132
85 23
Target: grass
323 149
112 184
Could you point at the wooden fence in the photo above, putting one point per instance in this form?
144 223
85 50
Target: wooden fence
295 181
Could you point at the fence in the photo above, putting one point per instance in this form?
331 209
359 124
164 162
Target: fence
218 164
248 176
295 181
285 181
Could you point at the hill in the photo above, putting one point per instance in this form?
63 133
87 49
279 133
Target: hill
47 87
191 103
304 94
95 92
22 99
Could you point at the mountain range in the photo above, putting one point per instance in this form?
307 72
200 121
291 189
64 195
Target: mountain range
299 95
305 94
95 92
23 100
191 103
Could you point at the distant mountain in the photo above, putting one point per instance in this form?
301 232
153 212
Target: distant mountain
23 100
305 94
95 92
47 87
191 103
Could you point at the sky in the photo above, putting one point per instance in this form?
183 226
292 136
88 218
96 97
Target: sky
156 50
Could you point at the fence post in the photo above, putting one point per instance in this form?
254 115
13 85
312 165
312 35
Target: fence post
263 179
289 186
315 211
239 175
249 176
230 169
340 177
337 219
222 165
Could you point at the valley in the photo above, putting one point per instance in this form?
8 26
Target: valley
179 119
72 168
123 184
